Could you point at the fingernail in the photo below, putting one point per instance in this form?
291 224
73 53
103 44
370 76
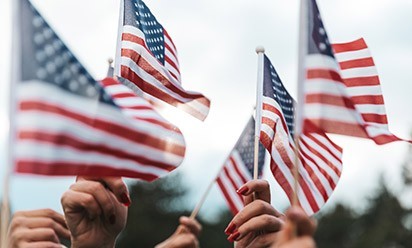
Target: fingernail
230 228
112 219
243 190
234 236
125 199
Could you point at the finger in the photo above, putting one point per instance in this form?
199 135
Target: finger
185 240
73 201
304 224
40 234
43 222
255 189
303 242
42 244
49 213
264 240
192 225
115 184
262 223
99 193
254 209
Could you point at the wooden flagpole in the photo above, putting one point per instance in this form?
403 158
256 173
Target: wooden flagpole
302 50
258 117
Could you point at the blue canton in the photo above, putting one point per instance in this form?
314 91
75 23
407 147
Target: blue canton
46 58
246 147
138 15
318 42
273 88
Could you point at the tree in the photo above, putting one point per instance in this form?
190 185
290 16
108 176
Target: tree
155 211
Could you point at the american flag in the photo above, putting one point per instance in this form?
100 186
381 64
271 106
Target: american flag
147 59
70 124
320 160
343 98
238 168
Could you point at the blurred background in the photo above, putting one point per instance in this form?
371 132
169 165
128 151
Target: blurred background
216 42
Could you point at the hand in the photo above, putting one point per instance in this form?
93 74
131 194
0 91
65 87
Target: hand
257 224
96 211
297 232
185 236
38 228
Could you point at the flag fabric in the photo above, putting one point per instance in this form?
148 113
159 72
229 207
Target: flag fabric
70 124
343 98
238 168
320 160
147 59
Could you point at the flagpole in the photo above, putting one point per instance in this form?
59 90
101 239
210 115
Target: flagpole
302 50
258 118
14 78
118 55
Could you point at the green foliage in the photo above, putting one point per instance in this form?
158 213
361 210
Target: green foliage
380 226
154 216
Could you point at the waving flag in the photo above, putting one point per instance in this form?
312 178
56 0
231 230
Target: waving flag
70 124
320 160
238 168
345 97
147 59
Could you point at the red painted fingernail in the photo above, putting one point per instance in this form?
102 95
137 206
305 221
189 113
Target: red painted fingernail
125 199
230 228
243 190
112 219
234 236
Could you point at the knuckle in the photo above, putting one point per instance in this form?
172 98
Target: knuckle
17 221
260 205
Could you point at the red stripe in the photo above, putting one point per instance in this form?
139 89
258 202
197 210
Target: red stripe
236 167
323 74
57 168
386 138
358 44
173 64
277 112
312 128
338 127
106 126
171 41
266 141
227 196
375 118
316 140
361 81
229 177
366 99
281 149
305 156
357 63
339 101
60 139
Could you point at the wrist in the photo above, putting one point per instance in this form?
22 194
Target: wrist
97 243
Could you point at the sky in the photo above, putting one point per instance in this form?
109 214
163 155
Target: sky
216 41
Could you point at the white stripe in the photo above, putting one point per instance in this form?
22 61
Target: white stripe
172 48
230 190
374 90
325 86
328 144
34 150
170 55
359 72
173 71
240 165
352 55
231 168
55 124
374 131
319 162
321 62
38 91
334 113
371 109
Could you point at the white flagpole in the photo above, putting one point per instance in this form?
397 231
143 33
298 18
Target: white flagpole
14 79
118 56
258 118
302 51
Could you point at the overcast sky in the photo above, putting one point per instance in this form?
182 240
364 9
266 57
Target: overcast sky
216 42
